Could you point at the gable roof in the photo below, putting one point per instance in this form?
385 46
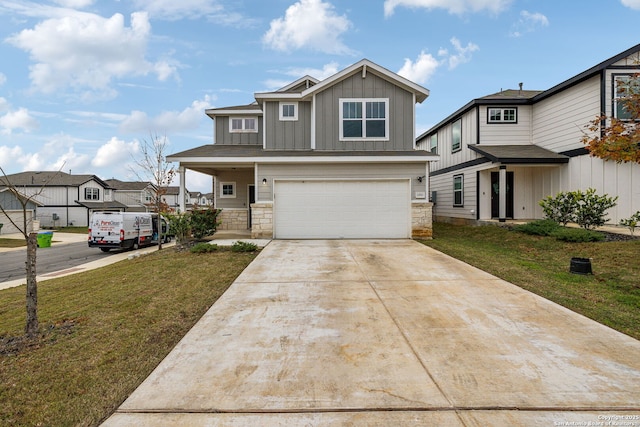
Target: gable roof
116 184
363 66
299 85
520 97
49 179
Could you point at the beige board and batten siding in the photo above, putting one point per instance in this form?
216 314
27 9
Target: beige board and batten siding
241 178
559 120
287 134
506 133
401 113
447 158
443 186
343 171
223 136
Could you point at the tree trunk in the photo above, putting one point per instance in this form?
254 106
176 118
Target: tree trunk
159 228
31 329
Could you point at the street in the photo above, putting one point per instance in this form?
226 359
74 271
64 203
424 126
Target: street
55 258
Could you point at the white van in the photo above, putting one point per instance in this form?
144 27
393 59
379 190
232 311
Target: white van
113 230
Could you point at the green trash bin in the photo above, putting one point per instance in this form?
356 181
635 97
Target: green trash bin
44 239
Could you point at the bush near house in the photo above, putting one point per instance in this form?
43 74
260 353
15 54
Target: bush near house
632 222
587 209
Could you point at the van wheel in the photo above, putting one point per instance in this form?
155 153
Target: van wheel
104 249
136 245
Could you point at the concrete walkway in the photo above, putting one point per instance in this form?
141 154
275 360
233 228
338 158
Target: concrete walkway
383 333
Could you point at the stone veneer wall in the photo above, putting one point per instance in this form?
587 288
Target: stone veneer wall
422 220
262 220
233 219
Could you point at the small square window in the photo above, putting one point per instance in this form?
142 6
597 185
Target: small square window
288 111
228 190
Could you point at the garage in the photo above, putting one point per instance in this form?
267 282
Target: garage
17 217
342 209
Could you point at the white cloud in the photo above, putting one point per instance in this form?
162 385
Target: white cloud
17 119
529 22
86 52
74 4
633 4
308 24
115 152
168 121
327 70
461 55
10 156
457 7
421 70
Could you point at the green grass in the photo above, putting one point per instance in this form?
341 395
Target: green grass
12 243
610 296
104 331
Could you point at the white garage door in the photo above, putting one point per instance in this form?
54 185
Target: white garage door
342 209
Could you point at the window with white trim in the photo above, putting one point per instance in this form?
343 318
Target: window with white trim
458 190
364 119
502 115
91 193
288 111
623 87
243 124
228 190
456 136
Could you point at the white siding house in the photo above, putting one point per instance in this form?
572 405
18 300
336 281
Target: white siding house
503 153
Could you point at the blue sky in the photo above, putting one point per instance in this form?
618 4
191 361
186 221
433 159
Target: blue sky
83 82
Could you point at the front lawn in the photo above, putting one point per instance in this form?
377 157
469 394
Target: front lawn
104 331
610 296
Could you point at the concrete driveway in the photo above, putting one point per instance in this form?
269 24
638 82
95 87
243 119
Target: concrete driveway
383 333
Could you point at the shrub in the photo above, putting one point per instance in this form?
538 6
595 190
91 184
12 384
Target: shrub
632 222
592 209
179 226
203 248
561 208
204 222
578 235
543 227
243 247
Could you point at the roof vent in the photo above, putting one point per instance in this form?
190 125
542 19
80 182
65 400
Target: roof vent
520 84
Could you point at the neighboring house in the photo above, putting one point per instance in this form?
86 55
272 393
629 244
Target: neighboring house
64 199
503 153
171 198
14 211
321 159
138 196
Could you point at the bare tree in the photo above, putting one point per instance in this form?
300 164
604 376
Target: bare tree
31 238
152 166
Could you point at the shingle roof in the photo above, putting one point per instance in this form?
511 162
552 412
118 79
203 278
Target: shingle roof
127 185
49 178
510 154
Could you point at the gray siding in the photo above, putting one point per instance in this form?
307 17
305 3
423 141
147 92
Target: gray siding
288 134
242 179
339 171
401 111
224 137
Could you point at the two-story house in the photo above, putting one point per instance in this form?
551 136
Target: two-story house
321 159
503 153
138 196
63 199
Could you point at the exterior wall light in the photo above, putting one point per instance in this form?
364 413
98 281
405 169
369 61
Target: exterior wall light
264 181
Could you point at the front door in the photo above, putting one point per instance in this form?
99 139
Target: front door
495 198
252 200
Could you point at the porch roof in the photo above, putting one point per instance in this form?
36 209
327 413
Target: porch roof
102 205
256 153
511 154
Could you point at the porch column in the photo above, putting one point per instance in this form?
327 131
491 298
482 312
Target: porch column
182 191
502 194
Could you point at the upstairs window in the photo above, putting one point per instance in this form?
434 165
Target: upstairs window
91 193
364 119
243 124
456 136
502 115
288 111
433 143
624 86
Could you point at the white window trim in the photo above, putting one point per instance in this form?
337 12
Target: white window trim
502 119
453 148
295 111
227 196
244 124
616 96
364 101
